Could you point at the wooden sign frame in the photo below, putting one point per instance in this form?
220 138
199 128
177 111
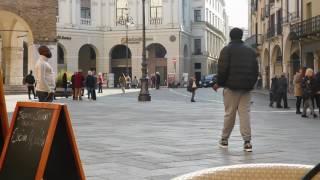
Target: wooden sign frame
4 126
58 109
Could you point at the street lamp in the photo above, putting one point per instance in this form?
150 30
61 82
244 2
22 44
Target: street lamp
144 92
126 21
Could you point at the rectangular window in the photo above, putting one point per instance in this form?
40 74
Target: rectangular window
197 46
309 10
85 9
156 12
197 15
197 65
122 11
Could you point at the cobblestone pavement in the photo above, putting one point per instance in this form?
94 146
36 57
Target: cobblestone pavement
120 138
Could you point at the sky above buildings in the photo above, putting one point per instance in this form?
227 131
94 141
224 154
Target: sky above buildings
238 13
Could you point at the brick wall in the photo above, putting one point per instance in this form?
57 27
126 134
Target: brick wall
39 14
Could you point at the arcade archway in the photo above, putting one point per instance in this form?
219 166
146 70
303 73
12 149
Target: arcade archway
157 62
16 36
87 58
277 60
121 62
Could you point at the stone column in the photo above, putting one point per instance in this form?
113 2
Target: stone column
74 12
316 62
13 68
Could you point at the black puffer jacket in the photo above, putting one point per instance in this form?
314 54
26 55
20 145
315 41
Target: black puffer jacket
237 67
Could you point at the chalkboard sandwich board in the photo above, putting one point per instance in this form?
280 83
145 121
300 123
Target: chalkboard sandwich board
3 115
40 145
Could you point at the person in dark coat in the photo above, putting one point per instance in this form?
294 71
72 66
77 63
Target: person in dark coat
30 81
157 80
282 91
90 84
65 84
238 73
73 85
273 91
307 85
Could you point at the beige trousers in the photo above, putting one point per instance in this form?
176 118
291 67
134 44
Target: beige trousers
236 101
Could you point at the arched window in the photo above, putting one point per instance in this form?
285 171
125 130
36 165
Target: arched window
156 12
122 10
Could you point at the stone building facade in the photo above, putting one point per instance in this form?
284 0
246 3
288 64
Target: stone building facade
286 36
182 36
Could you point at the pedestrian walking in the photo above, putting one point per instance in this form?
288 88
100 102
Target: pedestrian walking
100 82
128 82
44 76
65 84
308 93
158 78
273 91
30 82
317 89
78 85
90 84
122 82
73 85
135 82
297 80
237 73
192 87
282 91
153 81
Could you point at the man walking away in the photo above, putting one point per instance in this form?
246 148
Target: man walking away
282 92
30 83
44 76
237 73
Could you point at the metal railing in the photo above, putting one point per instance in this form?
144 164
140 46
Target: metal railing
291 17
85 21
307 27
274 30
155 20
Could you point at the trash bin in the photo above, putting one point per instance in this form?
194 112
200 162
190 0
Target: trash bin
252 172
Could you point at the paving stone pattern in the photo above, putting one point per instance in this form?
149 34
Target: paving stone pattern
120 138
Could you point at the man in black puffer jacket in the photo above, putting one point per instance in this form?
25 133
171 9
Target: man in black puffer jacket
237 73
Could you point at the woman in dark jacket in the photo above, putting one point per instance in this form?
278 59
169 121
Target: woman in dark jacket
308 93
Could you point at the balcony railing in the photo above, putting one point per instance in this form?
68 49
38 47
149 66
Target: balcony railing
85 21
254 41
274 30
292 17
155 20
307 28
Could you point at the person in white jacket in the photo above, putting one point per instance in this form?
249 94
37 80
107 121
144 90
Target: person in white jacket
44 76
